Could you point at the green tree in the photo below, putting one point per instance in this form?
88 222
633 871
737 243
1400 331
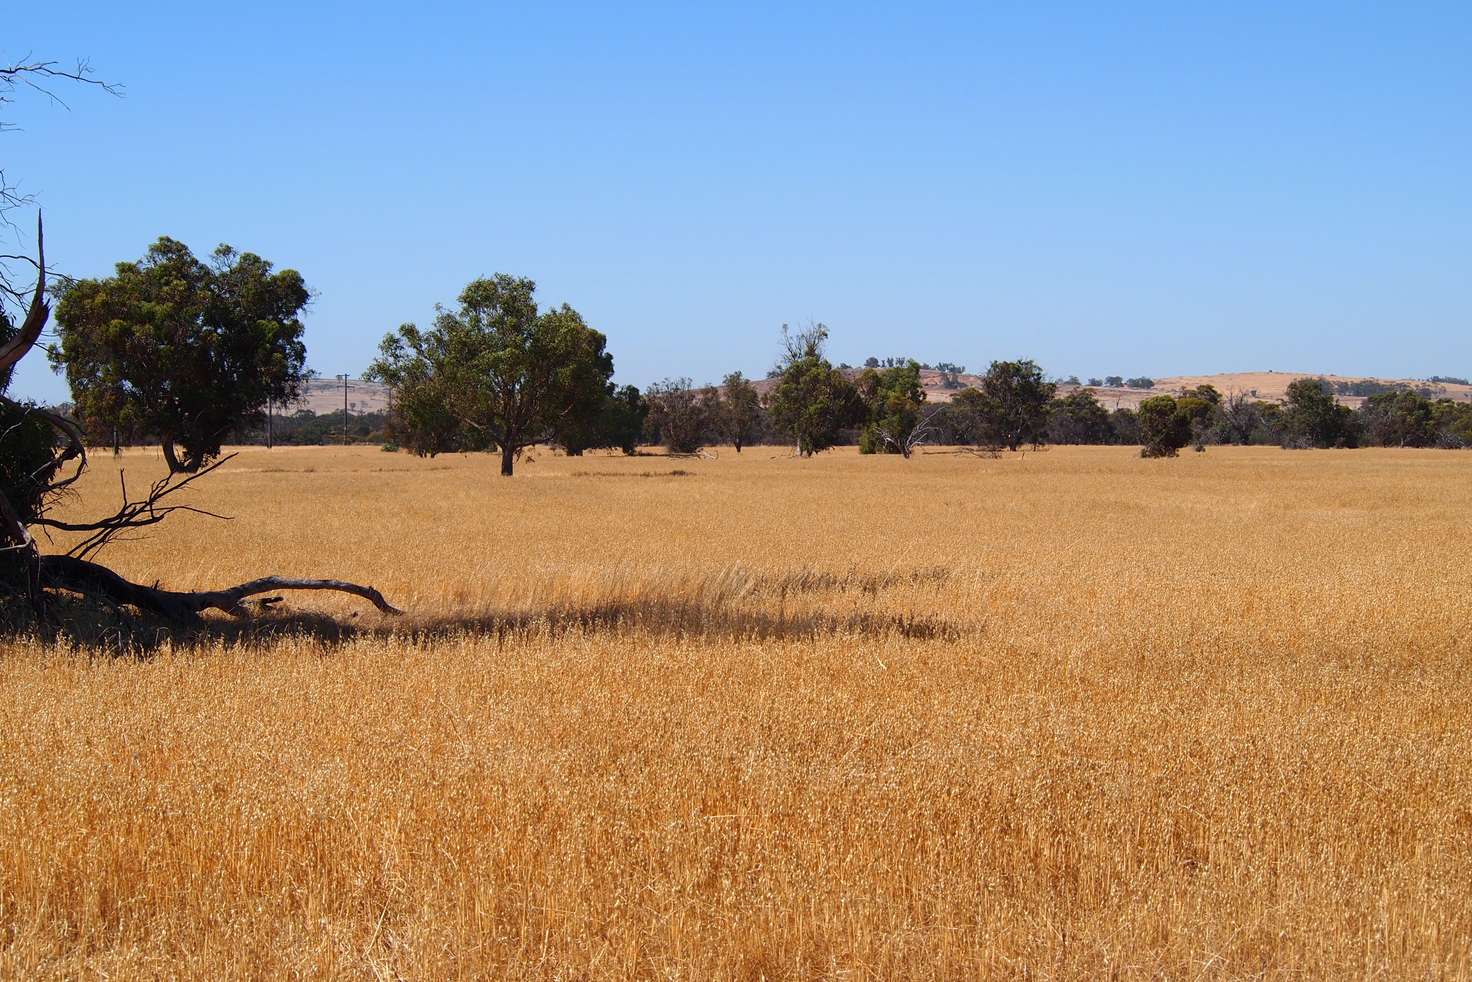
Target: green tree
741 416
1126 426
1078 418
1011 402
509 374
1399 419
1311 417
1164 427
1453 423
679 416
893 398
1238 419
1202 413
182 349
812 402
623 419
617 422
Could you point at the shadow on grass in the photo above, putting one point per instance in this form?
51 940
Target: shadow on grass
108 630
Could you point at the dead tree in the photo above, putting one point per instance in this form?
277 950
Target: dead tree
75 571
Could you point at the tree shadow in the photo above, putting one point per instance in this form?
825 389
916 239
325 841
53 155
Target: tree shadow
100 629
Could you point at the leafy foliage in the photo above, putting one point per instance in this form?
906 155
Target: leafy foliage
812 402
28 446
496 372
1011 404
1078 418
1165 426
741 411
183 349
1311 417
679 417
618 422
893 399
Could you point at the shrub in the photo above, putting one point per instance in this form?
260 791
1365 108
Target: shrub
1164 427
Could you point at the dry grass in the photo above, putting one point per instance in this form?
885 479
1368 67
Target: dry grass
1067 715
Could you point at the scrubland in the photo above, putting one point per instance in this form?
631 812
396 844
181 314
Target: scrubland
1069 714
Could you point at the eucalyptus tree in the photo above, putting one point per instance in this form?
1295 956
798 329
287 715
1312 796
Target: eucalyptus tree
187 350
496 369
812 402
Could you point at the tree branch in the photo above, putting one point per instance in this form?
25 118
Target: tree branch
82 576
15 349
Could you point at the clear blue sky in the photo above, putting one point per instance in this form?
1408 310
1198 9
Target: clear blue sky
1107 188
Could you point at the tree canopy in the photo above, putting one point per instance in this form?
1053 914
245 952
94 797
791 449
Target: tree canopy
1011 404
1078 418
1165 426
741 411
893 398
1312 418
812 402
181 349
494 372
679 415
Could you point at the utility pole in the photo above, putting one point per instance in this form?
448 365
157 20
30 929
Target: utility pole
344 409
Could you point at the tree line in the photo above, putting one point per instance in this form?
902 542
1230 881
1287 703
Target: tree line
191 352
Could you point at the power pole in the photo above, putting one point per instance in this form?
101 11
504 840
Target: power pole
344 409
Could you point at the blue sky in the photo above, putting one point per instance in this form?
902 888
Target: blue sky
1107 188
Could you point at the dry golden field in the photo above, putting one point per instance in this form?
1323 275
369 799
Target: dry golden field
1071 714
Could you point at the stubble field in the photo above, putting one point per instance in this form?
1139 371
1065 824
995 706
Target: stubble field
1060 715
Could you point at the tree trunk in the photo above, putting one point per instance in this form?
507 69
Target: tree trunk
188 465
20 544
738 446
508 458
82 576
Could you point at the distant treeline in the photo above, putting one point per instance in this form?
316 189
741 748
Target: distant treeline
889 409
1393 416
306 428
685 418
1012 402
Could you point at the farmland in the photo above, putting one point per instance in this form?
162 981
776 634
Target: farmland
1062 714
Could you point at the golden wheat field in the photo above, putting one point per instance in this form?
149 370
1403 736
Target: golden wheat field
1069 714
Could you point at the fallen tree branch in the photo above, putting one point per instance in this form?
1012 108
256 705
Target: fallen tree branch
82 576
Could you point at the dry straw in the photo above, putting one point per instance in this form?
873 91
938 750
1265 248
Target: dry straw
1072 715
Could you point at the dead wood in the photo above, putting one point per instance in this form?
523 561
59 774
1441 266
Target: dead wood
86 577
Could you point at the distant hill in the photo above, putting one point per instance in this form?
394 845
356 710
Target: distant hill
324 395
1267 386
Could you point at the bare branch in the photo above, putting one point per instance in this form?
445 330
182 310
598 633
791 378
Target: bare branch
81 576
132 514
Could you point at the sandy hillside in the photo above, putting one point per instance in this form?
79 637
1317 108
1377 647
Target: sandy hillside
324 395
1268 386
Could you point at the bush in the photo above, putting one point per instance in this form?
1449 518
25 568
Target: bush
1164 427
27 448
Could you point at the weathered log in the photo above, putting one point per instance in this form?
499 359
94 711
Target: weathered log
82 576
